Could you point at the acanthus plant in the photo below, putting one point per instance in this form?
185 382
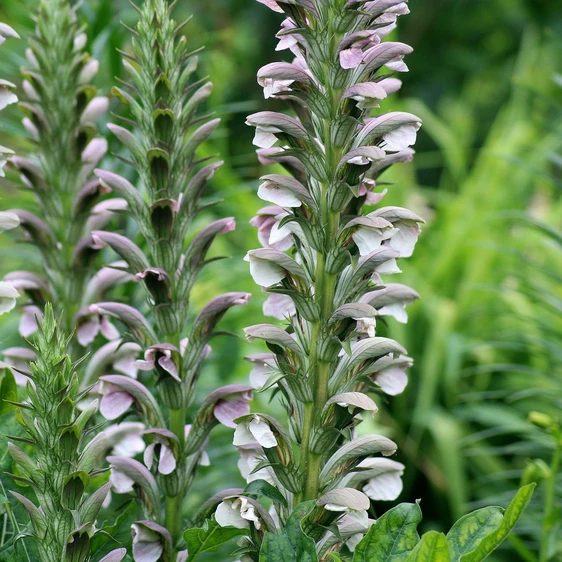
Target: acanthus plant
64 461
61 109
162 135
8 293
322 264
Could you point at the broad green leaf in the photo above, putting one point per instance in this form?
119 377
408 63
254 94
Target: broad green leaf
433 547
469 531
8 391
263 488
392 537
510 518
210 537
291 544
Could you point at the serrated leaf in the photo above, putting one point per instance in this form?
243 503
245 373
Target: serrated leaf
433 547
392 537
209 537
8 391
510 518
469 531
291 544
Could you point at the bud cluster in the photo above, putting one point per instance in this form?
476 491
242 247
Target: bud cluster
64 460
61 109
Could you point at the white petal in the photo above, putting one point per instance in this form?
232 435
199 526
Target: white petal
397 309
228 515
400 138
269 191
389 266
264 272
392 381
405 239
8 221
242 435
262 433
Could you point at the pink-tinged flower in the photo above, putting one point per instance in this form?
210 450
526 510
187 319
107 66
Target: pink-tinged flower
103 212
150 540
389 373
266 219
165 355
407 225
120 482
115 401
263 366
95 109
269 124
367 95
8 296
125 439
94 152
19 358
234 406
272 5
351 49
391 300
164 446
277 77
288 40
92 322
279 306
28 321
237 512
384 478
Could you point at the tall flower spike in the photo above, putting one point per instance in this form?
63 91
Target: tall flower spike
163 137
63 463
7 97
61 109
329 359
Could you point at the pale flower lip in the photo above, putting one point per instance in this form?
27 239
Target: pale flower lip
254 430
237 512
8 296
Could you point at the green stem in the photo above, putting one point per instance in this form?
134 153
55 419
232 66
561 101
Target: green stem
550 501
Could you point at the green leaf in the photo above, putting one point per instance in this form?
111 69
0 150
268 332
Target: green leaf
469 531
433 547
291 544
209 537
263 488
510 518
8 391
392 537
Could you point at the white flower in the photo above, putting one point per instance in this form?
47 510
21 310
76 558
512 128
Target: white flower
254 430
369 239
264 272
8 221
237 512
397 310
250 457
8 296
401 137
7 97
120 482
278 194
367 326
5 153
385 478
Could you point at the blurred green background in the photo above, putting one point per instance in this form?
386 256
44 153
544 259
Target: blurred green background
487 333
